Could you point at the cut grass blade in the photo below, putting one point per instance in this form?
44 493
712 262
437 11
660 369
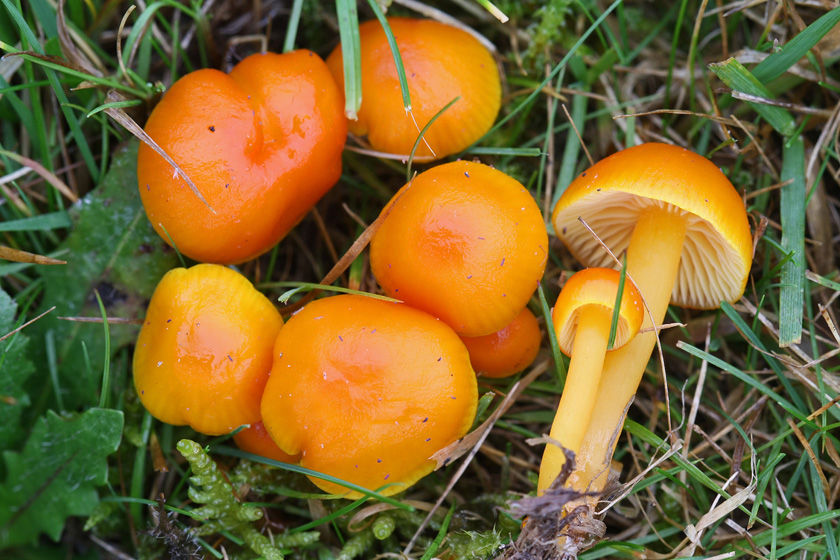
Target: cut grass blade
348 29
292 28
494 10
791 298
738 78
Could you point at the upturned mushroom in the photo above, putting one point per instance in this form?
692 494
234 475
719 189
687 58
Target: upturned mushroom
205 349
582 317
367 391
262 144
441 63
687 241
463 242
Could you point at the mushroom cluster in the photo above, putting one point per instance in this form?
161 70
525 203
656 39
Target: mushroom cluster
362 390
687 241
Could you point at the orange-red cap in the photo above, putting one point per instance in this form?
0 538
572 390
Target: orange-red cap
205 349
610 195
441 63
367 390
255 439
464 242
508 350
596 287
262 144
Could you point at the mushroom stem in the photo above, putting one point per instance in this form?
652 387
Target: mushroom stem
653 258
578 400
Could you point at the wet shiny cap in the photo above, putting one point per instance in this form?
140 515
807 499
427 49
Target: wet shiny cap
205 349
596 287
367 391
610 195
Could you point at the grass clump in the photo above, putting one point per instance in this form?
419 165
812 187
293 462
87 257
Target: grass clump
730 452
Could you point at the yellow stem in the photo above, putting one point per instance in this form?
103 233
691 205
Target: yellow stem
578 400
653 258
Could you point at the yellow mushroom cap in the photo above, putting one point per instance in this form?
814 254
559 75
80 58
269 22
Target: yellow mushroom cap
610 195
367 391
463 242
596 286
205 349
441 63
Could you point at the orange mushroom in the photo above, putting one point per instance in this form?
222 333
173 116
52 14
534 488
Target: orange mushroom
441 63
688 241
463 242
255 439
262 144
205 349
367 390
507 351
582 319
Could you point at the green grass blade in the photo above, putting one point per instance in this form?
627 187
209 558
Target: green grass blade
52 220
230 452
763 389
774 364
348 29
494 10
422 134
571 151
559 364
395 51
617 305
63 101
444 527
560 65
501 151
106 369
778 63
738 78
292 28
791 298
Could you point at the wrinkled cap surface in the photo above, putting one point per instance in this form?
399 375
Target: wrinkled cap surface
609 196
596 287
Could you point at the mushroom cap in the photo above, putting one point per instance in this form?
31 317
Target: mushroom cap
463 242
507 351
367 390
610 195
263 144
256 440
596 286
205 349
441 63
